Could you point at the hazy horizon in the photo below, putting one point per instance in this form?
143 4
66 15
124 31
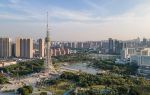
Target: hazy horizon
75 20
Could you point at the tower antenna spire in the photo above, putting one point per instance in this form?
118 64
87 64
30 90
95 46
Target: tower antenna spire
47 26
48 61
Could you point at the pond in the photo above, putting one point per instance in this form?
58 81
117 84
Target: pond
83 67
7 93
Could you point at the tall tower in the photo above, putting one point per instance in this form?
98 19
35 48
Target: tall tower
48 62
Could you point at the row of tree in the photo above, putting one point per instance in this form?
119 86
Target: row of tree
71 58
123 69
115 85
24 68
3 79
25 90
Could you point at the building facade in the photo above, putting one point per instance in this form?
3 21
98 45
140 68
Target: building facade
24 48
41 47
5 48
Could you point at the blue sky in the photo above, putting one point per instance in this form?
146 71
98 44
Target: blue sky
75 19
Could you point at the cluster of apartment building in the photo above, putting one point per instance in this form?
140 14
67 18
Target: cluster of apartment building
27 48
141 56
20 48
115 46
80 45
110 46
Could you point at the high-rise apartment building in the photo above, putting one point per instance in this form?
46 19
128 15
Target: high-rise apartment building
24 48
13 50
17 47
111 46
144 42
29 48
118 46
41 47
79 44
5 48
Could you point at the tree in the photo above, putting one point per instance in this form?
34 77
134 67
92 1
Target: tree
30 88
134 91
3 79
26 90
23 91
43 93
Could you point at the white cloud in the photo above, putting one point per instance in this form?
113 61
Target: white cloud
83 25
11 17
15 1
1 5
22 18
128 25
70 15
139 12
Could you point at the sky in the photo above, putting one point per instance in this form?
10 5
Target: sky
75 20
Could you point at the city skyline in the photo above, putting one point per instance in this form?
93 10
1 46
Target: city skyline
75 20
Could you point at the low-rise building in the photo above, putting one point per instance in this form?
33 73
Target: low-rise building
144 64
7 63
128 52
60 51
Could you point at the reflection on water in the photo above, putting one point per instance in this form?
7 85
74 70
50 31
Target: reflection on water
83 67
8 93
